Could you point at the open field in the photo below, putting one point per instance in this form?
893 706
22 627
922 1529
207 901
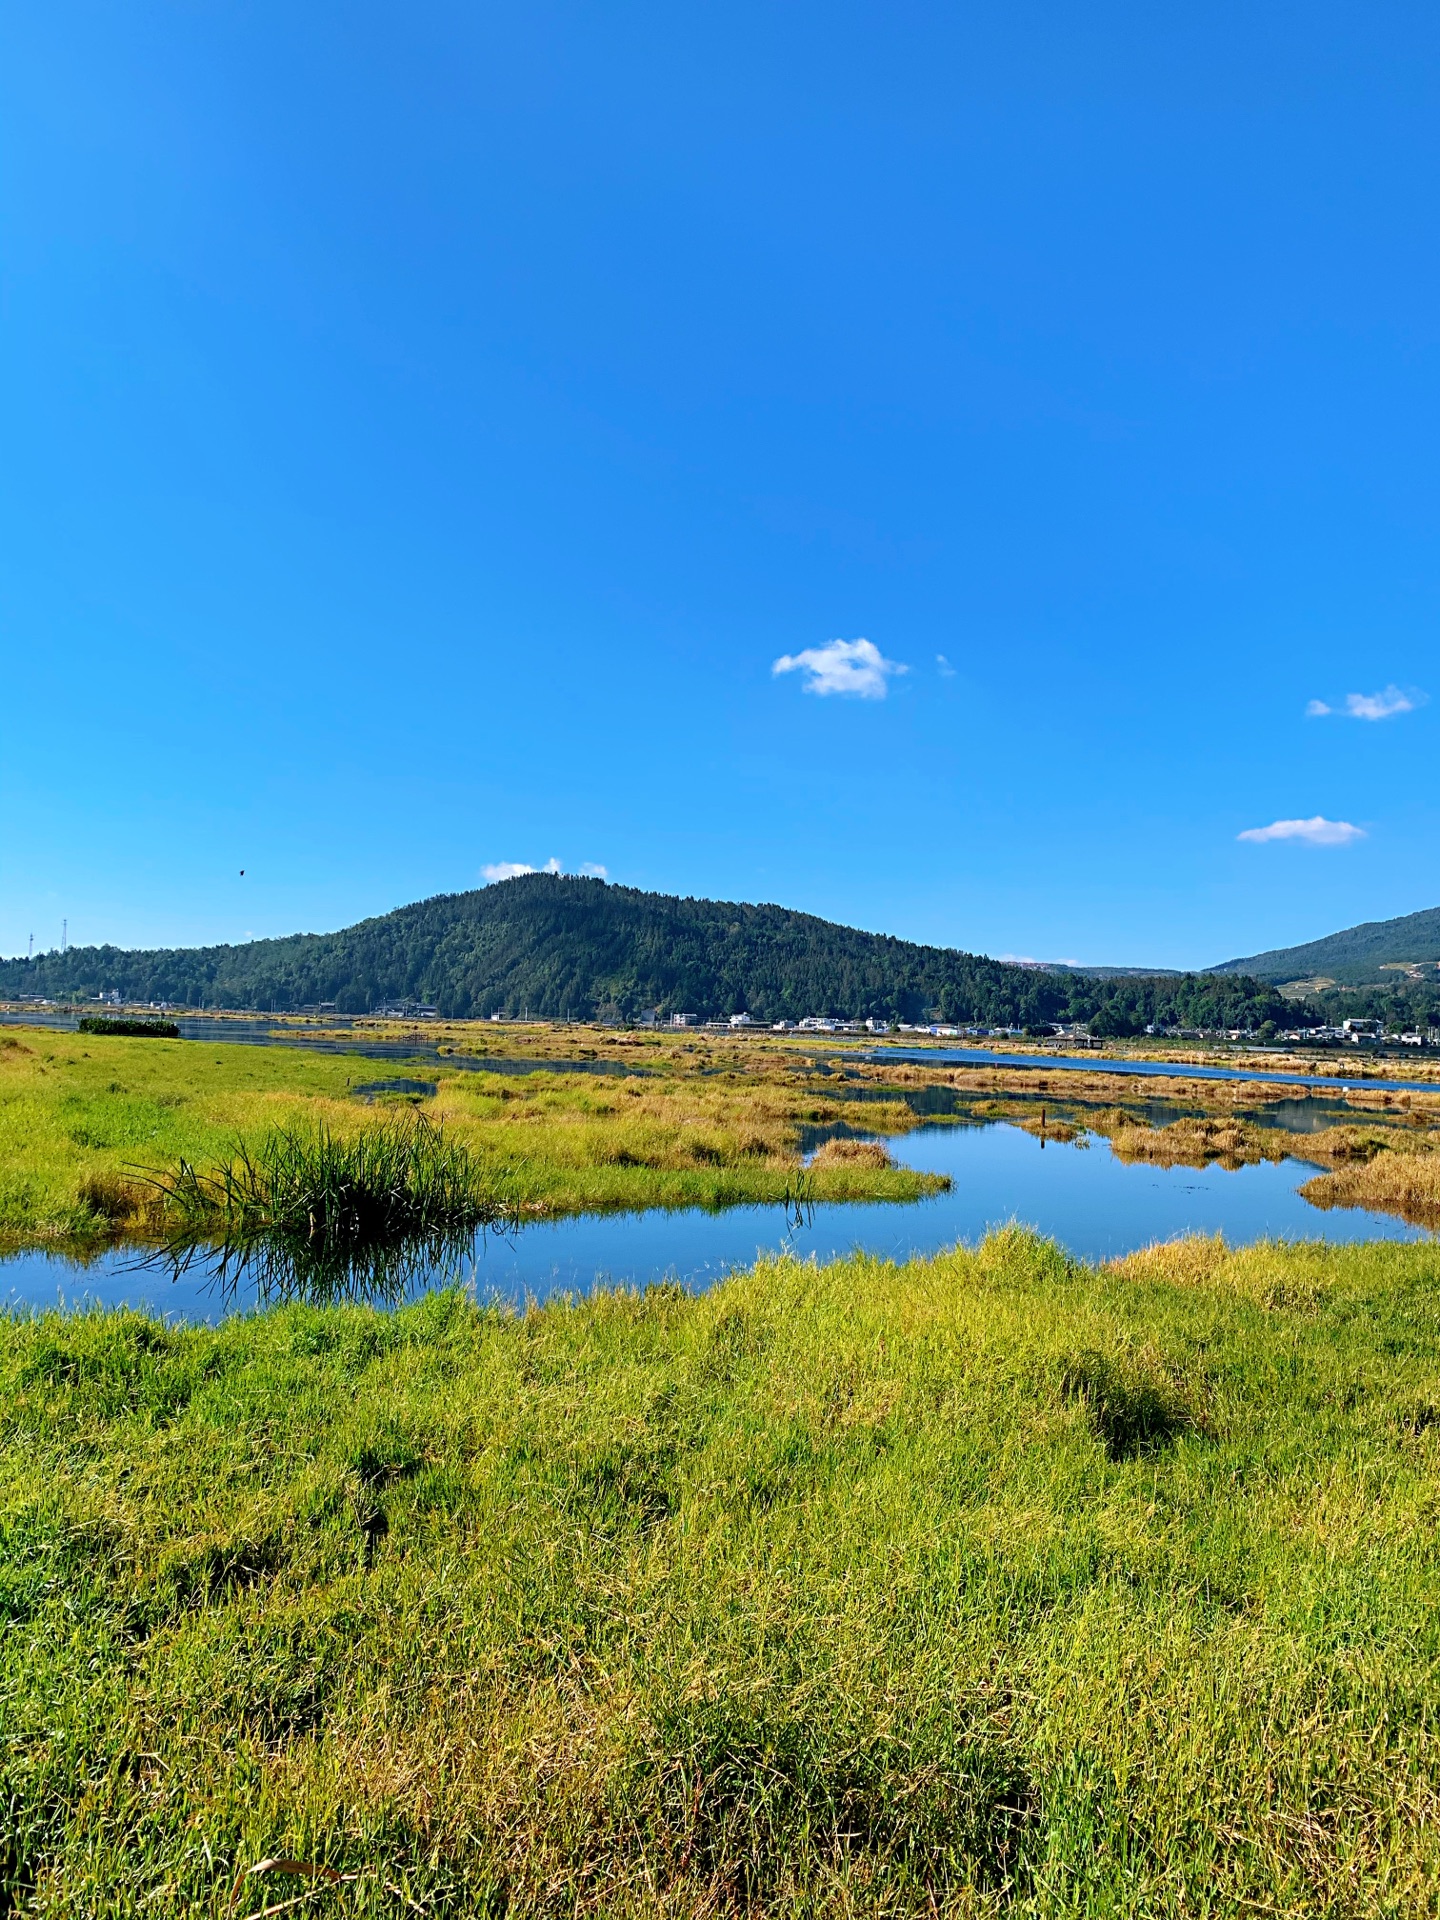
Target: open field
987 1584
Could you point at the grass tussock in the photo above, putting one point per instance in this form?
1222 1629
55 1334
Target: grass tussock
1198 1141
119 1203
852 1153
1134 1401
986 1585
1389 1182
398 1177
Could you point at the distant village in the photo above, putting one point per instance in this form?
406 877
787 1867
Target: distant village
1351 1032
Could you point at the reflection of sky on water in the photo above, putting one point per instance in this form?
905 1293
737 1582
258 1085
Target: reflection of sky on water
1080 1195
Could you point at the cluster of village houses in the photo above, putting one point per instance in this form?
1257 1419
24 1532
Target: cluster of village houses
1353 1032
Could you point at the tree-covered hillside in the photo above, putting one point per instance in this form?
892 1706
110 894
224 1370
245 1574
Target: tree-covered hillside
1357 956
557 946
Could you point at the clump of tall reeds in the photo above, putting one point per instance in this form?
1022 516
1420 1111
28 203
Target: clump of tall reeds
308 1208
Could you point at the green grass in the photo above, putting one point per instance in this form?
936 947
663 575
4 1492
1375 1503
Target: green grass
987 1584
82 1121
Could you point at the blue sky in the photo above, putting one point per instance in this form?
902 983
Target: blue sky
427 427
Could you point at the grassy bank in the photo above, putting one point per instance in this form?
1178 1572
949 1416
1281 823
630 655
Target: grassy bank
80 1114
989 1584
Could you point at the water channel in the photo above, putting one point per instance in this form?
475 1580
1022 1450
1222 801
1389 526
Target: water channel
1079 1193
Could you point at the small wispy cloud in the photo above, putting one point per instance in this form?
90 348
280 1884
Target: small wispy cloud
1370 706
946 671
853 667
512 869
594 870
1317 832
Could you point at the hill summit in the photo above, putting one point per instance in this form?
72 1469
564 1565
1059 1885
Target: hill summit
563 947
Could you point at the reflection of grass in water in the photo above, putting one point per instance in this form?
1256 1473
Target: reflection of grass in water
307 1211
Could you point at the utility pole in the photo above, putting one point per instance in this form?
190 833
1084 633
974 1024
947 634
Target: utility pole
64 935
31 954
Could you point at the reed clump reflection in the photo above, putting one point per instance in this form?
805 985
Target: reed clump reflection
308 1211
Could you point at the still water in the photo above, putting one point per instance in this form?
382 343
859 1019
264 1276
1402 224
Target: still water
1082 1196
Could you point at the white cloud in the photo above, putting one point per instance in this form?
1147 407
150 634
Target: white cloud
947 672
855 667
512 869
1371 706
1318 832
594 869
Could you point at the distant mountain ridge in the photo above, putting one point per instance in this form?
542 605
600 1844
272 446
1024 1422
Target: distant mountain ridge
1356 956
559 946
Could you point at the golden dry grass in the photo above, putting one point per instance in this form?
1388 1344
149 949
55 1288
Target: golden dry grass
852 1153
1407 1184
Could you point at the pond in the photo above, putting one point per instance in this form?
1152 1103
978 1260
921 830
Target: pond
1080 1194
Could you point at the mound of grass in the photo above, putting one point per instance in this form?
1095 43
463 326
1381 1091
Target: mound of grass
1386 1182
987 1585
852 1153
1131 1401
129 1029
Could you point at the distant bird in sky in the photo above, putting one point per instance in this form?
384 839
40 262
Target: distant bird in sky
242 873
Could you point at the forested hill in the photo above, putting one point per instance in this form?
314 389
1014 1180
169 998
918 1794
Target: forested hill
1357 956
559 946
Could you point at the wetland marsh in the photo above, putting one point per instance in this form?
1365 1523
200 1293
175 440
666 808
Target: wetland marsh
648 1158
925 1579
